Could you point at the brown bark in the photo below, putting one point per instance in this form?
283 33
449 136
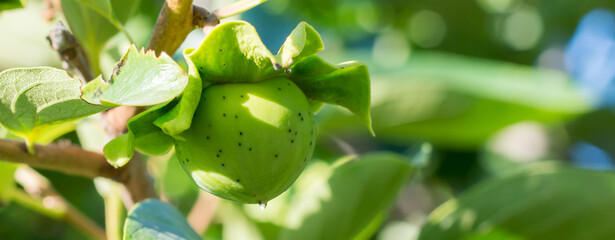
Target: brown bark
73 160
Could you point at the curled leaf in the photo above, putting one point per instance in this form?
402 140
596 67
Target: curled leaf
120 150
346 85
179 118
303 41
142 135
233 52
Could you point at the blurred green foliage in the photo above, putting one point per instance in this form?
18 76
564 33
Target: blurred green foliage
544 201
459 102
466 76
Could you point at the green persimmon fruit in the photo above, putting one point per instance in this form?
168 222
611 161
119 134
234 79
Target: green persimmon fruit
248 141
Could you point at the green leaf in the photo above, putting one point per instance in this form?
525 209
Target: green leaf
543 202
346 85
233 52
142 135
304 41
179 118
139 79
104 8
91 29
120 150
138 18
12 4
35 98
356 193
7 182
153 219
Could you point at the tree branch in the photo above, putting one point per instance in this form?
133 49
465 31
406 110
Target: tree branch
74 160
176 20
173 25
72 55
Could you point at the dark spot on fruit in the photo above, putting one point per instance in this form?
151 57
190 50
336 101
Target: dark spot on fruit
249 149
276 155
217 155
299 114
279 89
220 49
240 144
292 141
305 159
295 133
240 133
223 97
207 137
201 68
302 119
241 96
224 114
223 64
236 117
310 143
290 130
237 180
187 160
220 151
223 164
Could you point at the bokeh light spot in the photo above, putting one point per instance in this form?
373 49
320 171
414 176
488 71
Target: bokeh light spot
427 28
522 29
496 6
391 49
368 16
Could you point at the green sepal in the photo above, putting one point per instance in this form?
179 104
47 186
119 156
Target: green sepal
179 118
233 52
149 138
120 150
302 42
142 135
346 85
139 79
